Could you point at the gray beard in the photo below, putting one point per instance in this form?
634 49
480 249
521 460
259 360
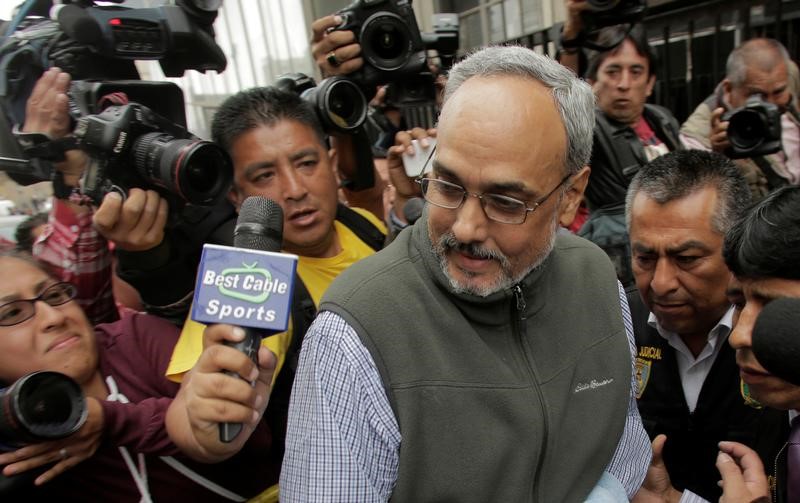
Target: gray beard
506 278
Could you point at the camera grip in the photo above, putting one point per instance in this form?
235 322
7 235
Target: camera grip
249 346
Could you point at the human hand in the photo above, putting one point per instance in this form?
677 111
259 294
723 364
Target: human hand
336 52
657 486
743 476
65 453
719 131
573 24
405 187
136 224
208 396
47 112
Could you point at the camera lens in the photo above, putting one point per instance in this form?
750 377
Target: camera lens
386 41
746 129
198 171
340 103
601 5
41 406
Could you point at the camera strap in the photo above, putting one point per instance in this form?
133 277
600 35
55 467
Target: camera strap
774 180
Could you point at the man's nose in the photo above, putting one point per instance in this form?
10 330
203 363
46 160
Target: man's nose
471 222
664 279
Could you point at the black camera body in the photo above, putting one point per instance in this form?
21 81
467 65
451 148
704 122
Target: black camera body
754 129
131 146
613 12
391 43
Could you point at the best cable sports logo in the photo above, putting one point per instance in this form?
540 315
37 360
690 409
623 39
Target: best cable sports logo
248 284
244 287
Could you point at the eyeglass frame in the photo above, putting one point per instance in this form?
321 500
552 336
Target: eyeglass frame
72 292
528 209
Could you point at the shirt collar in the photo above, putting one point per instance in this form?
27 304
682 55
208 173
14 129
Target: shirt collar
720 331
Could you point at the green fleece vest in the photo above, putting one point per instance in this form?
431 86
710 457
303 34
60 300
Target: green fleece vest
517 397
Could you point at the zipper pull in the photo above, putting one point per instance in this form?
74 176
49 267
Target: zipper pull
520 299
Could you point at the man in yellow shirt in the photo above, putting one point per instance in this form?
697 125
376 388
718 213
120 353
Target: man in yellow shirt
279 151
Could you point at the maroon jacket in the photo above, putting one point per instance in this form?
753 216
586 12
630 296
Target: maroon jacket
135 351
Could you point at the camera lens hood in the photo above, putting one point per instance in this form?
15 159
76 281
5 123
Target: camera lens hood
41 406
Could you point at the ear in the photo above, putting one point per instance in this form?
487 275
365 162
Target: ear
651 82
333 165
333 159
573 196
234 198
727 88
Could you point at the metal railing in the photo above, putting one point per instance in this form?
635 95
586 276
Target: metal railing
692 40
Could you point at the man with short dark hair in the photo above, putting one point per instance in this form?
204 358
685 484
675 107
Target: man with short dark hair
628 133
763 251
679 208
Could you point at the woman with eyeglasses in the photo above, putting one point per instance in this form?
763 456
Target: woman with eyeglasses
122 452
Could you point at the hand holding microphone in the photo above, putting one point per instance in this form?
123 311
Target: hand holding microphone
248 285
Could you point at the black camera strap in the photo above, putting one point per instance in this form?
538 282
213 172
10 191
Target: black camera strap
774 180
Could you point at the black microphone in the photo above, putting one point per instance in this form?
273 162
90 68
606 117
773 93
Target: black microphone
258 227
78 24
776 339
412 210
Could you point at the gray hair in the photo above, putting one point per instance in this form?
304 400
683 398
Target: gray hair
573 97
683 172
762 53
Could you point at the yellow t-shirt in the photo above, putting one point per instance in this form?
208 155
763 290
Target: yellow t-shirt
316 273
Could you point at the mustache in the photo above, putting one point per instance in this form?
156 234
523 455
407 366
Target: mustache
448 242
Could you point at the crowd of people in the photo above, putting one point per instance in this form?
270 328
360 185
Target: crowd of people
570 317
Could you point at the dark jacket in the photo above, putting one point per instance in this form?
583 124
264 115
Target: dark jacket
617 153
721 412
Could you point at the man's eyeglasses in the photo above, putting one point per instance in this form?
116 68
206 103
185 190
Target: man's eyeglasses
17 311
503 209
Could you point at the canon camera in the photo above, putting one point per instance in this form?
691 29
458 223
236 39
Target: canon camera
754 129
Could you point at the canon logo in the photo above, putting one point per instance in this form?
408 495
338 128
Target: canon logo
120 142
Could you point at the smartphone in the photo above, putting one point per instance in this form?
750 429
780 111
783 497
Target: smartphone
415 164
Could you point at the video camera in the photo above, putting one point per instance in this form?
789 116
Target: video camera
754 129
98 46
395 53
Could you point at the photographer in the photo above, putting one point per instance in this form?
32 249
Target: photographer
757 75
628 133
122 452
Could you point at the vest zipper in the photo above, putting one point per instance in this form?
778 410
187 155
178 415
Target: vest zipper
518 318
773 490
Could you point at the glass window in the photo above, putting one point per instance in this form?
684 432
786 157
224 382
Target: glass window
531 16
471 33
496 29
513 18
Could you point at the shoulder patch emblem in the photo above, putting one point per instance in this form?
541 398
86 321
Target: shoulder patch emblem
643 368
748 399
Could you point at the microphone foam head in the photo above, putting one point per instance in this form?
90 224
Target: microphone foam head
776 338
259 225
